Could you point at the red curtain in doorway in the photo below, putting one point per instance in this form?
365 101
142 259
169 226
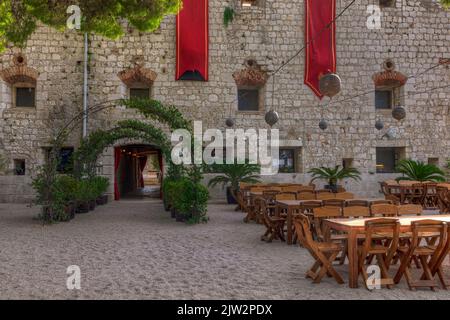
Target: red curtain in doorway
117 156
321 49
142 164
192 38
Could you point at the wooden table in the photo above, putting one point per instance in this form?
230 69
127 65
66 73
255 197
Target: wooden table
293 205
353 227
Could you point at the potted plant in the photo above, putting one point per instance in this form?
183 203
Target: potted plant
100 186
190 204
67 187
231 175
334 175
419 171
83 197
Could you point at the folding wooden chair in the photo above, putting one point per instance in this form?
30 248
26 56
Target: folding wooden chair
345 195
325 196
443 195
356 212
375 230
308 206
306 196
306 188
384 210
425 252
392 199
410 210
274 225
436 263
357 203
323 252
334 203
323 191
324 213
380 202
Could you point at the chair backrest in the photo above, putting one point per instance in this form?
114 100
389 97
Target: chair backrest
391 182
259 204
334 203
407 182
390 228
345 195
393 199
307 188
303 230
325 196
290 189
385 210
309 206
306 196
286 196
436 261
357 203
425 228
356 212
410 209
327 212
257 189
323 191
374 202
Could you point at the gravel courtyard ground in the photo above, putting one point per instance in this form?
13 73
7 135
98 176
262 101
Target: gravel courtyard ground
133 250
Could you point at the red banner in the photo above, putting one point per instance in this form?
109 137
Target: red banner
192 39
321 41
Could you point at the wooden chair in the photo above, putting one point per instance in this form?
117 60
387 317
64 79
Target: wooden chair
306 196
274 225
345 195
324 213
431 196
443 195
436 263
324 253
409 210
357 203
425 252
325 196
309 206
372 246
393 199
294 189
334 203
307 188
356 212
380 202
385 210
323 191
286 196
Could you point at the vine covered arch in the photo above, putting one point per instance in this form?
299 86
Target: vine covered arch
93 146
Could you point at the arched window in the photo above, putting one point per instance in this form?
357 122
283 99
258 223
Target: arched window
389 87
139 81
22 80
250 84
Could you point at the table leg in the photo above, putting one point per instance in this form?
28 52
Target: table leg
289 225
352 251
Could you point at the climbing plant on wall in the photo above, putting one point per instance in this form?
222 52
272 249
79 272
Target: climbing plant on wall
19 18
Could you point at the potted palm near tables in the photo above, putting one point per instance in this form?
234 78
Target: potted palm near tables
334 175
419 171
231 175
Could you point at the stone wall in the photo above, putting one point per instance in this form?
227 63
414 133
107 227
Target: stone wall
414 37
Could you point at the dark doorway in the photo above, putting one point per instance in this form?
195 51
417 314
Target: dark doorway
138 172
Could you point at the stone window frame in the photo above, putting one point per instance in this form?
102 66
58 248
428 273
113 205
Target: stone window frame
14 94
298 159
399 154
16 161
261 98
387 3
140 85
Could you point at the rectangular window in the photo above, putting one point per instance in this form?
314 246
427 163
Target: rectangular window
25 97
387 3
65 164
287 161
248 3
433 161
248 99
347 163
388 158
140 93
383 99
19 167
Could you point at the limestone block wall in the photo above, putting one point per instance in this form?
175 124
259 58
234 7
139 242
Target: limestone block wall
413 35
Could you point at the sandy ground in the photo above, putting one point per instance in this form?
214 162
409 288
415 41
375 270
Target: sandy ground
133 250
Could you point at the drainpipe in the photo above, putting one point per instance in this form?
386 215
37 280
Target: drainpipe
85 86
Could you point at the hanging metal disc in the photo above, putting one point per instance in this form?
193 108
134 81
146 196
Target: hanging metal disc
272 118
399 113
323 124
230 122
379 125
330 84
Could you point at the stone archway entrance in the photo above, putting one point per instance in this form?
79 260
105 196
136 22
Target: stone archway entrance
138 171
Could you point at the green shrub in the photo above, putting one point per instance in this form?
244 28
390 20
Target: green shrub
99 186
190 200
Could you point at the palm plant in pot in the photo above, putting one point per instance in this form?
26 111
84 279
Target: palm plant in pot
419 171
231 175
334 175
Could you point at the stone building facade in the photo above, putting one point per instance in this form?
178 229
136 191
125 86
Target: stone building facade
414 37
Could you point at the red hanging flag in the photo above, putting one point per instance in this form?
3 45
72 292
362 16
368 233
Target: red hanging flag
320 41
192 39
